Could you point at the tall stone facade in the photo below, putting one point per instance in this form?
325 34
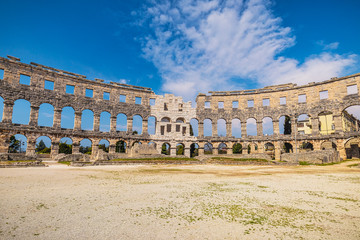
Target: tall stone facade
173 115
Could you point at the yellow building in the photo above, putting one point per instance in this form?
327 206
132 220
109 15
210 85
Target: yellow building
304 126
350 123
326 123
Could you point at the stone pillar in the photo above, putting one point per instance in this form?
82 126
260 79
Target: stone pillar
173 151
57 118
276 127
145 126
4 143
113 124
75 147
277 146
130 125
187 152
259 128
8 110
315 126
228 129
77 121
293 126
112 148
338 124
201 151
34 114
30 149
96 122
54 149
201 130
243 129
215 132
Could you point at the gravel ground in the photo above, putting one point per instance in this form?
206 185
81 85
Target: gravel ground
181 202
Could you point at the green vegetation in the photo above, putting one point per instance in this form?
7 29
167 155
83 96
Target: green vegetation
104 148
86 150
237 148
14 146
304 163
240 159
41 148
65 148
154 159
65 162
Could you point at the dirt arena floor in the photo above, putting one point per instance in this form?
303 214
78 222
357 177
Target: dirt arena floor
181 202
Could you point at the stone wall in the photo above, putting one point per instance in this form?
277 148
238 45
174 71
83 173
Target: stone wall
313 157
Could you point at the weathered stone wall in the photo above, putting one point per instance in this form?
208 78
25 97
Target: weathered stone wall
314 157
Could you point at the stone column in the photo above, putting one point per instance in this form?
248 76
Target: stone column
57 118
243 129
34 114
4 143
187 152
215 129
75 147
315 126
30 149
276 127
201 129
96 122
173 151
130 124
259 128
277 146
145 126
201 151
112 148
113 124
77 121
293 126
338 124
8 110
54 149
228 129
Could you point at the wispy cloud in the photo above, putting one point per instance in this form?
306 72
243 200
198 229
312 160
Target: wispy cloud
201 45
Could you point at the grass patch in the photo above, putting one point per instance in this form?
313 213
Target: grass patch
155 159
304 163
240 159
65 162
17 161
353 165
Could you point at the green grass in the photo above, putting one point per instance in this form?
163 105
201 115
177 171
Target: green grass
17 161
304 163
240 159
155 159
65 162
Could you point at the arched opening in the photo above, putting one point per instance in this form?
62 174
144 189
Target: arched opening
326 123
136 143
87 120
43 145
207 128
304 124
288 148
180 149
165 149
270 149
180 120
237 148
351 119
221 128
165 119
67 118
65 145
104 145
18 144
46 115
137 124
121 122
120 146
251 129
285 125
152 144
105 122
21 112
194 150
222 148
248 148
236 128
306 146
151 125
1 108
85 146
328 145
194 127
352 148
268 127
208 148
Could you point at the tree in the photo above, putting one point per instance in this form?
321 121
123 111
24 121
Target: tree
191 131
287 126
164 149
237 148
104 148
85 150
40 146
180 150
120 147
65 148
14 146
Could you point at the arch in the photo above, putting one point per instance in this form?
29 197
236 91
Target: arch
288 148
270 149
46 115
152 144
268 127
194 150
221 127
151 125
350 117
208 148
352 148
121 122
207 127
21 112
165 119
18 144
1 108
136 143
194 127
43 145
105 122
87 120
180 120
137 124
236 128
304 124
104 145
120 146
328 145
180 149
65 145
326 123
165 149
251 129
67 118
85 146
307 146
237 148
285 125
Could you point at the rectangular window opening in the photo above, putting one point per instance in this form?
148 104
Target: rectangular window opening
24 79
324 94
122 98
168 127
266 102
283 101
106 96
235 104
220 105
152 101
352 89
137 100
70 89
162 130
180 107
177 128
207 104
1 74
165 107
89 93
302 98
49 85
250 103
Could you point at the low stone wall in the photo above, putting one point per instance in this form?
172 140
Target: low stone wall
252 155
314 157
16 157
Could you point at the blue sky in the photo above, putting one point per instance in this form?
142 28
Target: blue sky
187 46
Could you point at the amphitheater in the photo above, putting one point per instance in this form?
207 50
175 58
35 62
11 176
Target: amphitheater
326 125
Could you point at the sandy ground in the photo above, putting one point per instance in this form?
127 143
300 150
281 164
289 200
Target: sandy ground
181 202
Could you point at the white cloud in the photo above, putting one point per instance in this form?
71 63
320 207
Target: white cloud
124 81
202 45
